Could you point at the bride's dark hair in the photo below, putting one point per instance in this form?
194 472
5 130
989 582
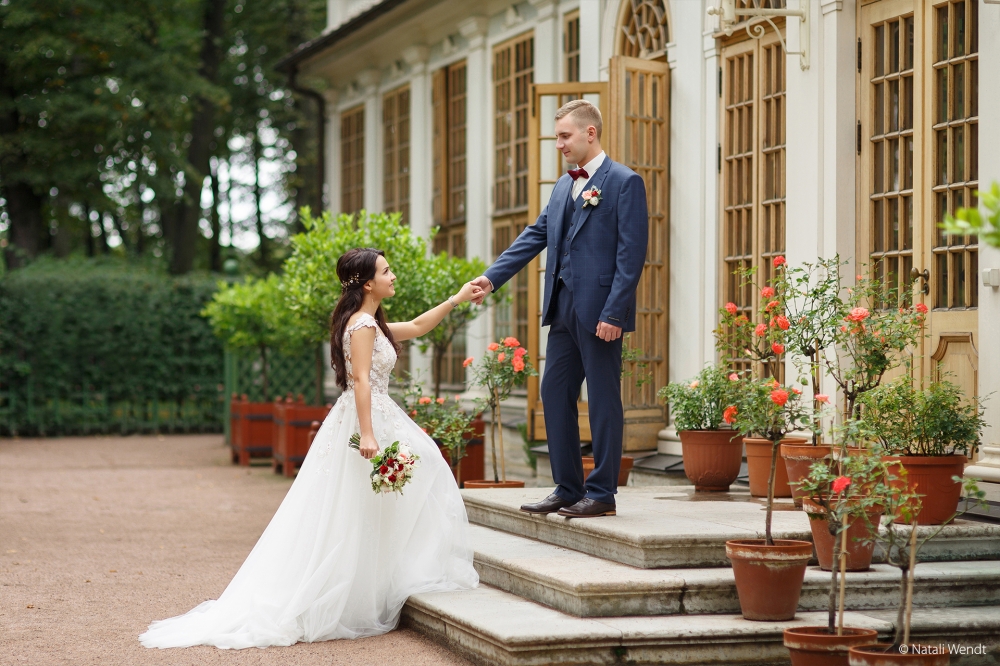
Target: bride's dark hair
354 268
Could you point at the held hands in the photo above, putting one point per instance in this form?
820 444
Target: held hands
485 287
607 332
470 291
369 447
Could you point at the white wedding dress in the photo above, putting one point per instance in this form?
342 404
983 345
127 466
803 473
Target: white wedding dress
337 559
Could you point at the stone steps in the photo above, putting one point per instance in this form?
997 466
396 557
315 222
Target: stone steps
490 626
586 586
674 527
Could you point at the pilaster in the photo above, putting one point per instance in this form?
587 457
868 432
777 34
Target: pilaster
548 41
368 81
332 150
590 39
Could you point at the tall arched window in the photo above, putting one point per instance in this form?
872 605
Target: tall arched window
644 29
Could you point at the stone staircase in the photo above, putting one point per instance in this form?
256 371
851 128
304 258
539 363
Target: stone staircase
652 585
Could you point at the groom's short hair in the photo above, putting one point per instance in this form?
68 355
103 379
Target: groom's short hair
585 113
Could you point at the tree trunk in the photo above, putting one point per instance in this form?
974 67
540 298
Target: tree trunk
24 209
88 232
263 365
102 234
202 142
255 149
215 245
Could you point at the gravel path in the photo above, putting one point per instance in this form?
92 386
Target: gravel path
101 535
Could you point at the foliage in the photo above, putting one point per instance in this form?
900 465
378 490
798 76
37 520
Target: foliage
969 221
641 371
936 421
700 404
529 443
503 366
444 420
106 328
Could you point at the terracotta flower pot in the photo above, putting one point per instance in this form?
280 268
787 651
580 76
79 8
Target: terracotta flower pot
712 458
494 484
759 466
769 578
930 476
876 655
859 554
623 471
798 459
816 646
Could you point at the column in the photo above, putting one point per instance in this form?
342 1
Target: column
332 151
368 80
548 41
421 169
590 39
988 465
477 152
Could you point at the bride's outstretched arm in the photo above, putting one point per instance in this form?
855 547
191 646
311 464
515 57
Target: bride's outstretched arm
407 330
362 347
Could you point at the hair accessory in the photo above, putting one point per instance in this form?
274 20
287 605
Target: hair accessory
353 280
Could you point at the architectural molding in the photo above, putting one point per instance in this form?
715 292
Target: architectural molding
474 30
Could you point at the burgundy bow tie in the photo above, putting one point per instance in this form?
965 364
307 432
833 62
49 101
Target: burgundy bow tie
578 173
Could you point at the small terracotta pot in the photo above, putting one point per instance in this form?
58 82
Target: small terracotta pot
712 458
875 655
930 476
859 554
759 466
816 646
494 484
623 471
769 578
798 459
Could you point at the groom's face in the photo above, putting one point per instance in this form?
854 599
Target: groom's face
574 139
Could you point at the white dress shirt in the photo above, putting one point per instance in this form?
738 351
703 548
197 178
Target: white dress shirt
591 168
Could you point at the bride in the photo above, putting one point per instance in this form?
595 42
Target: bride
337 559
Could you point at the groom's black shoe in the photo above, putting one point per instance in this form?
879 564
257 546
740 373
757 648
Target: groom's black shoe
588 508
550 504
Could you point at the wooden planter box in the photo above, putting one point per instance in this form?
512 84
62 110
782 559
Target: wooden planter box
292 422
251 429
472 465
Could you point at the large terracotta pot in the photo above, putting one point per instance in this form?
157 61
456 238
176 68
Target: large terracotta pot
798 459
875 655
712 458
626 468
859 553
930 476
816 646
769 578
471 466
759 466
494 484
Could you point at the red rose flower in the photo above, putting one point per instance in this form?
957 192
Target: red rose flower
767 292
779 261
383 469
921 308
781 321
511 342
392 478
778 348
731 308
779 397
729 414
840 484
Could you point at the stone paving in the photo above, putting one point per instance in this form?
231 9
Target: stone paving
101 535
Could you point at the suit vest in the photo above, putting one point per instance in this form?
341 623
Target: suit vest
569 216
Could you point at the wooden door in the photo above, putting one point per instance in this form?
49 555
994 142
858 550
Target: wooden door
918 123
545 166
638 132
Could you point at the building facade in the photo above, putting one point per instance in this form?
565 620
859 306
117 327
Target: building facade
849 130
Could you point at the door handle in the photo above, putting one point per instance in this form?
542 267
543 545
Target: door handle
924 275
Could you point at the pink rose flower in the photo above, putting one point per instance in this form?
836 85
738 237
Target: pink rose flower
823 398
767 292
731 308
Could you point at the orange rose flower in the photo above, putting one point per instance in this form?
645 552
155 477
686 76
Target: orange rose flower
501 356
778 348
760 331
779 397
731 308
729 414
779 261
467 362
511 342
781 321
767 292
493 346
424 400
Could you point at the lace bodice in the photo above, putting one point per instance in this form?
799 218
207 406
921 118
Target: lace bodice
383 356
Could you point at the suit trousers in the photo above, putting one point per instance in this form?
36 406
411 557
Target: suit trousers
573 354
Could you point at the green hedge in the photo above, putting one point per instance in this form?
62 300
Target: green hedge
98 346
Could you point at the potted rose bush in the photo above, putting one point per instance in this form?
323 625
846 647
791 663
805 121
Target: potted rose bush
504 365
768 571
712 450
931 433
451 428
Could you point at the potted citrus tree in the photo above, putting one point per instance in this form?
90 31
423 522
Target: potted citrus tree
928 432
712 450
902 546
768 571
504 365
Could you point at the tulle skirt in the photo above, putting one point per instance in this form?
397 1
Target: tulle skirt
338 560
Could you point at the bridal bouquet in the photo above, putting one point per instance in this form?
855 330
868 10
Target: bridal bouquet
392 468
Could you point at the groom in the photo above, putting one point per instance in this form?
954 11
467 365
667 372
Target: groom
595 229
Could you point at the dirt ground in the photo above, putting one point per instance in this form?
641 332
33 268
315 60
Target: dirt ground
101 535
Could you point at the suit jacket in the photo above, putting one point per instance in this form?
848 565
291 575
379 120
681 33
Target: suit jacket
607 247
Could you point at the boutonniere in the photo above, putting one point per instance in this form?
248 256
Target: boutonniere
591 197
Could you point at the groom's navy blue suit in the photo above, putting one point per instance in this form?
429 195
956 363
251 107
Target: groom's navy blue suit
594 262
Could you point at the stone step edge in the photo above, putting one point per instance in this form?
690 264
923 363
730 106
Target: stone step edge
474 627
657 592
